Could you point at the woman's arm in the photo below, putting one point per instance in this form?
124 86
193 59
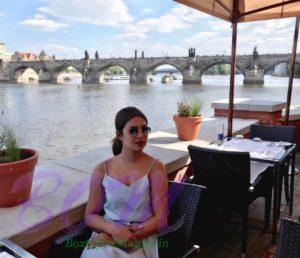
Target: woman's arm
159 199
95 203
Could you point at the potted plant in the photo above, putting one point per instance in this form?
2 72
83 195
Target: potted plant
188 120
17 166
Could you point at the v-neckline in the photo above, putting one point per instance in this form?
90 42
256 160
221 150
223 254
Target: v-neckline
128 186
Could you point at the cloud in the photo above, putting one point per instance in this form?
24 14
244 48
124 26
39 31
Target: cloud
62 50
220 26
147 11
95 12
40 22
2 14
201 37
153 49
178 18
132 35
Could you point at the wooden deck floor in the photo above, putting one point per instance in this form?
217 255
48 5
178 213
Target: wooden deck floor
228 244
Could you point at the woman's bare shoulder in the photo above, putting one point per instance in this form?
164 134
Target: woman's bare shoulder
158 167
99 169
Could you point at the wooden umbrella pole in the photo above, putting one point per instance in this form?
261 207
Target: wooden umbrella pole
232 77
292 71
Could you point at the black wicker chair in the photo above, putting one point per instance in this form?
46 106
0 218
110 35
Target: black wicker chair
275 134
175 241
226 175
289 240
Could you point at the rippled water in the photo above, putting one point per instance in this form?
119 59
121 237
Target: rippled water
64 120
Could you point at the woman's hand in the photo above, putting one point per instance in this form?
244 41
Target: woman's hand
122 233
136 230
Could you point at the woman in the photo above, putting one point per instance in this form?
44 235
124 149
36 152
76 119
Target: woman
131 188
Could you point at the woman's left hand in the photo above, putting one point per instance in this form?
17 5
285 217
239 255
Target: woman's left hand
136 229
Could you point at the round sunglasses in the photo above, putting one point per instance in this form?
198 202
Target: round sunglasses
134 131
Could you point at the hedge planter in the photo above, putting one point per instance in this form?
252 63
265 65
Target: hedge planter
187 127
16 179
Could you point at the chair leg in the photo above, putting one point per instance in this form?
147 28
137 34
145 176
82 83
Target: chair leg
268 202
280 181
244 232
286 185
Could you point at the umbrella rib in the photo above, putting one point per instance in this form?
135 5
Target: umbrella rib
282 9
224 6
268 7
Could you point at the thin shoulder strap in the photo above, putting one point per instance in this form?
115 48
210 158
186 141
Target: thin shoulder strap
152 163
105 167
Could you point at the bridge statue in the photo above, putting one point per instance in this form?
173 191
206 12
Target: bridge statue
192 52
97 55
135 54
86 55
255 57
254 74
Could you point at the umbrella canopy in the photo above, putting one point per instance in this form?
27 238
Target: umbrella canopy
246 10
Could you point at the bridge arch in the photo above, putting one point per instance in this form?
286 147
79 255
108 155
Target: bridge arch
206 68
67 74
102 75
151 70
25 74
272 66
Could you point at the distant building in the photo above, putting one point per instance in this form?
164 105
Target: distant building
4 56
20 56
43 56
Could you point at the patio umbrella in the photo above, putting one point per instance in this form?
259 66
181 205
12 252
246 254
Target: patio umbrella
236 11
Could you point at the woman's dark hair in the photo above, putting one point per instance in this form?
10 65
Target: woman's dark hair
122 117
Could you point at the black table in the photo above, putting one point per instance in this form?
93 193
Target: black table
286 153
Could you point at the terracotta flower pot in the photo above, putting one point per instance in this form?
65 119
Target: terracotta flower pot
16 179
187 127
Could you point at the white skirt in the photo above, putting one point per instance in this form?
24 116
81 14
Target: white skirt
149 250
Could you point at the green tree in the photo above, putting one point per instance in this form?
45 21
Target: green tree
114 70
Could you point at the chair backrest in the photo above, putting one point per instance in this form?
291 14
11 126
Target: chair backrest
226 175
183 201
273 133
289 240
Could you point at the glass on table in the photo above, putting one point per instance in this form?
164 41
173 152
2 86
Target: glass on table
220 133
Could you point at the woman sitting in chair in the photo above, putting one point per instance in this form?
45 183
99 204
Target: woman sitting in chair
131 188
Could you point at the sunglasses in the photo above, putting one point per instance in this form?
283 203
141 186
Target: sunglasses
134 131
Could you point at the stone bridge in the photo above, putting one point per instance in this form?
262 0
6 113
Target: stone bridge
139 69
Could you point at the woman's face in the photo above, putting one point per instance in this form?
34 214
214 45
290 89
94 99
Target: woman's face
135 134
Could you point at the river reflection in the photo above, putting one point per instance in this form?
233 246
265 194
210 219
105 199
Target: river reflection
61 120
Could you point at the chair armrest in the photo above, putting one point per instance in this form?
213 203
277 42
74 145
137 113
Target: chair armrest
75 231
172 228
71 242
192 252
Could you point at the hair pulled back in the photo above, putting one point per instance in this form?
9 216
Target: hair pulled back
122 117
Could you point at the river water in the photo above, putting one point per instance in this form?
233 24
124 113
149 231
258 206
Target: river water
62 120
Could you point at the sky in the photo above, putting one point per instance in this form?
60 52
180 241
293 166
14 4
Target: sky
117 27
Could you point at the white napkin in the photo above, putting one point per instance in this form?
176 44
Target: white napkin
257 168
6 255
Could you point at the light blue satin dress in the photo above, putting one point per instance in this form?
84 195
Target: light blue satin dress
127 205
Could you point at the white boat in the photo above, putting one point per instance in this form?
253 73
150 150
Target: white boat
166 78
120 77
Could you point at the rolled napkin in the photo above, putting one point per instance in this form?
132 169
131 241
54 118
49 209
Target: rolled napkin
6 255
